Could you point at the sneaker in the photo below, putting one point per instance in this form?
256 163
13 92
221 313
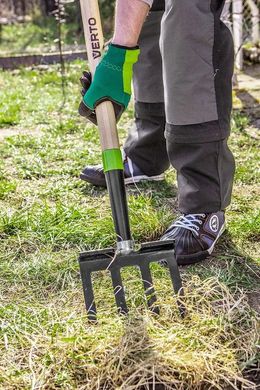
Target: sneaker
195 236
133 174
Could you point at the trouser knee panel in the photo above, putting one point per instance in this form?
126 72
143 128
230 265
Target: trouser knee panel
146 144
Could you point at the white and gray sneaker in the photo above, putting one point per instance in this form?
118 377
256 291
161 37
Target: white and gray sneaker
133 174
195 236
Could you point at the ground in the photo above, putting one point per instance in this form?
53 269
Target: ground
47 216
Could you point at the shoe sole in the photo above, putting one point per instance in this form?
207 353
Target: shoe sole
130 180
200 256
138 179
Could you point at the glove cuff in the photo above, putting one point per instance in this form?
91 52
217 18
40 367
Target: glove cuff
124 47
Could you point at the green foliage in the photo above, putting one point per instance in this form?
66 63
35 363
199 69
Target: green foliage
72 10
7 187
41 33
38 36
107 8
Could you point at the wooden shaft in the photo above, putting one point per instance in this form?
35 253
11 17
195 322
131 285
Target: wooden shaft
95 43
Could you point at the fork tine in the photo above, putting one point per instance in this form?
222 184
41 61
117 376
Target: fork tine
148 287
89 296
93 261
119 291
177 283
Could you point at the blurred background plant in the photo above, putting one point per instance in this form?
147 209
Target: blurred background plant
31 25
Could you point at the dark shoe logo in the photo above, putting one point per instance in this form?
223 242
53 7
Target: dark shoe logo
214 223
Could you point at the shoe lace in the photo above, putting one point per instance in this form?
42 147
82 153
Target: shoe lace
130 166
131 169
189 222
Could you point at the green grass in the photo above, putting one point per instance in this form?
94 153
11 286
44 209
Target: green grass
40 35
47 215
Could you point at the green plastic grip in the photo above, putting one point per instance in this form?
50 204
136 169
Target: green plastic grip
112 160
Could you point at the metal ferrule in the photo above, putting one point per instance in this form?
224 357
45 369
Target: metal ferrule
125 247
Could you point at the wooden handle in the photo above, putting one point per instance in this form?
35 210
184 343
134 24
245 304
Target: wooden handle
95 44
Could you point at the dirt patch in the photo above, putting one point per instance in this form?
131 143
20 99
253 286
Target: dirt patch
249 86
254 300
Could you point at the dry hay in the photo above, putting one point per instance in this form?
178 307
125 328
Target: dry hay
207 350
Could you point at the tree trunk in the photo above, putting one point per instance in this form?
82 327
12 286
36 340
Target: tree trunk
48 6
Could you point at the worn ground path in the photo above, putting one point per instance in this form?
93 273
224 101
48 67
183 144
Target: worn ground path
248 97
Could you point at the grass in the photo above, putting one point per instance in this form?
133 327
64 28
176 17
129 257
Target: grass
47 215
37 36
41 33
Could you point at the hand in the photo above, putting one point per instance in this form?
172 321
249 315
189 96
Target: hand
86 80
112 81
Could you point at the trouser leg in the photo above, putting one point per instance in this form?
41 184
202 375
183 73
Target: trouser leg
146 144
205 174
198 60
197 51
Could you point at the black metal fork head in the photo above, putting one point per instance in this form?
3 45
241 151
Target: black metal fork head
108 259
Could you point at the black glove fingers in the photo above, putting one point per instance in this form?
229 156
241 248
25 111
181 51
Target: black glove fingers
87 113
87 75
85 82
86 78
119 109
83 91
93 118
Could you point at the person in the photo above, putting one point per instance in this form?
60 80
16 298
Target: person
145 153
183 92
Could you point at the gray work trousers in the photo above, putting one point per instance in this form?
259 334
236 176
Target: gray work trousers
183 93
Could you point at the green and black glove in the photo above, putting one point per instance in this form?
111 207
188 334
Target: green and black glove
112 81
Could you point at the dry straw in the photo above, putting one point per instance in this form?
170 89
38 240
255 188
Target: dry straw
207 350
